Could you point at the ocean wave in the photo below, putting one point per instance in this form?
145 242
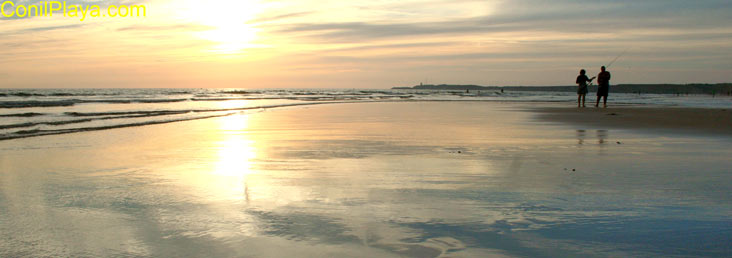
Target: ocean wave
64 94
31 124
237 92
308 97
104 116
92 116
24 94
226 99
71 102
178 92
86 93
43 132
53 94
175 112
117 113
127 101
36 103
28 114
10 126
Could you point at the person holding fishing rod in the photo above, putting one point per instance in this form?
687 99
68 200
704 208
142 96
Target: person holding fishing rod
603 80
582 81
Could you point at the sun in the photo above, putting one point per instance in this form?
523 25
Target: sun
228 23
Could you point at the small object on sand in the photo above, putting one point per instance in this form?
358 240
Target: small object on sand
460 152
612 114
573 169
618 142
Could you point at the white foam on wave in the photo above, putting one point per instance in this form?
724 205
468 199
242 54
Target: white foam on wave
36 112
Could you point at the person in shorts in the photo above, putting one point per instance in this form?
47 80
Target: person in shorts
582 81
603 79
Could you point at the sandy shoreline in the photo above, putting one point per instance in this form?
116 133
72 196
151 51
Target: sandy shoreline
715 121
678 119
400 179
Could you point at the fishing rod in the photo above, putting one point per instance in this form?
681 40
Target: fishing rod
616 58
609 64
612 62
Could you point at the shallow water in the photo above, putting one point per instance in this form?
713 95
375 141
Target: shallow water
459 179
37 112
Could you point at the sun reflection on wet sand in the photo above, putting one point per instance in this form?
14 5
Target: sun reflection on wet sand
233 163
220 166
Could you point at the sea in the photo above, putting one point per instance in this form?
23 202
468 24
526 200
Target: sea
36 112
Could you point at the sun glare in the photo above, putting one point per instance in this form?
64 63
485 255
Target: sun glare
228 22
235 154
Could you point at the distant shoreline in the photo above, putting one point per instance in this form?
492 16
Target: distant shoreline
724 89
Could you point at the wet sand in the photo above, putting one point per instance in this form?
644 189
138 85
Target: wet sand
673 119
418 179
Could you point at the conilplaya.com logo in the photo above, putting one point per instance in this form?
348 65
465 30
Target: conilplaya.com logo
13 9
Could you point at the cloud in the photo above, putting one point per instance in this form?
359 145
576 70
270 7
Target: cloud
391 46
2 17
531 16
173 27
394 39
50 28
280 17
41 29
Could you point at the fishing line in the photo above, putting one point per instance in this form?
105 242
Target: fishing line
616 58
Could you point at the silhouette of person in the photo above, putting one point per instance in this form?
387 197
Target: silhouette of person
603 79
582 81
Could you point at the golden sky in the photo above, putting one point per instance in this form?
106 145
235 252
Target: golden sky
369 44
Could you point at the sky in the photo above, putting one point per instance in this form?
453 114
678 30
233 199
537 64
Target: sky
369 44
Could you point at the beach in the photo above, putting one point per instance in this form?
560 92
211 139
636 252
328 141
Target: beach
382 179
418 128
715 121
